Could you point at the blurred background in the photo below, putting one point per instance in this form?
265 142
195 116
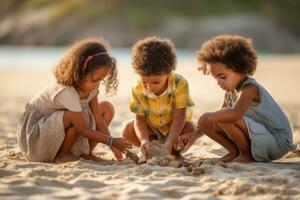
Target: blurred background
35 33
44 27
274 25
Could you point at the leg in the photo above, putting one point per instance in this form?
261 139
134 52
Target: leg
64 154
224 140
239 134
129 134
107 111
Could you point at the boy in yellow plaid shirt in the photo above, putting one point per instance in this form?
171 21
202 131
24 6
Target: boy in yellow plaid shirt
160 99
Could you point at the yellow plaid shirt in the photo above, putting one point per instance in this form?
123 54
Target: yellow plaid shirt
158 109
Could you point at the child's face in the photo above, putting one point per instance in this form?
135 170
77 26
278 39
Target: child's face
155 83
93 79
226 78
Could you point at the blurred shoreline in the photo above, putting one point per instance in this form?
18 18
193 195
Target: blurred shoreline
125 180
279 74
273 25
45 57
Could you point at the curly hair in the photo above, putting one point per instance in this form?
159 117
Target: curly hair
153 56
235 51
70 70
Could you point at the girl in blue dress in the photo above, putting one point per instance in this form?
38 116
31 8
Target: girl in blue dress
251 126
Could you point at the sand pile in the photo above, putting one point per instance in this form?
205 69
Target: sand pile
157 154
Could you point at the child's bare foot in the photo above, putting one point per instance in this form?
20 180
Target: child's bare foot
229 157
63 157
244 159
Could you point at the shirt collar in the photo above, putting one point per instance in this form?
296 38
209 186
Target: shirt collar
170 89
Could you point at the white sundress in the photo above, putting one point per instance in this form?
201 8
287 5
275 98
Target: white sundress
41 130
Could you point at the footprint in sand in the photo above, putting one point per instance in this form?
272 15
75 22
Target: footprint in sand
67 194
43 172
5 173
28 165
89 184
50 182
30 190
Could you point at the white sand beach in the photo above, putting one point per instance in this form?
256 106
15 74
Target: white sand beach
89 180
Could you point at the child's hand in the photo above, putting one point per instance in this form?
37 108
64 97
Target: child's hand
169 147
185 141
118 154
145 147
204 124
121 144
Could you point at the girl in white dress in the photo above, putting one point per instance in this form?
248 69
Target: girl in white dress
65 120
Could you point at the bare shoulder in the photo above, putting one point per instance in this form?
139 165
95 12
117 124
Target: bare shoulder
251 91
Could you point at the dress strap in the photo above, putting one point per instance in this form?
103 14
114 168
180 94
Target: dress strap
229 99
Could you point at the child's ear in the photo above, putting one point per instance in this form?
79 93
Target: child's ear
200 68
203 68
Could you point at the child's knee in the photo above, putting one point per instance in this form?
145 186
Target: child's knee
71 132
128 130
107 106
67 119
191 126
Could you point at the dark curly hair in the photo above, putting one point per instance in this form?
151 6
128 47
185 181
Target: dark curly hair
153 56
70 70
235 51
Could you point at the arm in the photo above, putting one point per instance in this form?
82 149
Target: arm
176 126
77 120
140 123
102 126
100 123
141 129
226 115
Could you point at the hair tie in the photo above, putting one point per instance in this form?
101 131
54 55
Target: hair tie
89 58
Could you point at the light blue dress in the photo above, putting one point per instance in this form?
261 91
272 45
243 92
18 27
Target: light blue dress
269 129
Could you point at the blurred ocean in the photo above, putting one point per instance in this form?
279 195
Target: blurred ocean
277 72
46 57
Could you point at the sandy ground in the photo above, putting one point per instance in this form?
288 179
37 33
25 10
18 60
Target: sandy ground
125 180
